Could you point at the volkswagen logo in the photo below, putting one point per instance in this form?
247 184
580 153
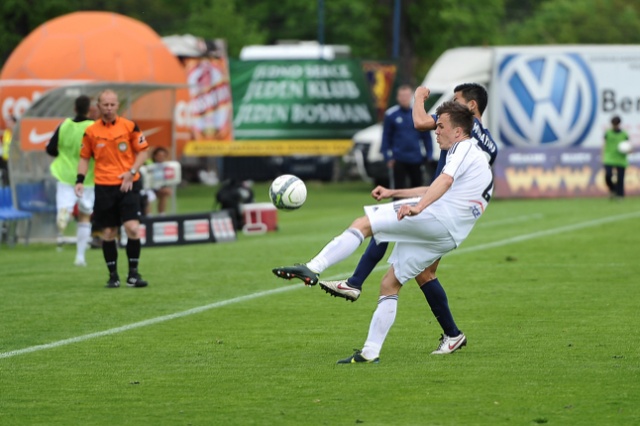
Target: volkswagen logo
545 100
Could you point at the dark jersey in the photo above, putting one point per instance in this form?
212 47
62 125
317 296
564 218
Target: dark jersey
485 142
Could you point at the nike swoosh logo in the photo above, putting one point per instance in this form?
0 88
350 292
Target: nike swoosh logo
38 138
341 287
451 347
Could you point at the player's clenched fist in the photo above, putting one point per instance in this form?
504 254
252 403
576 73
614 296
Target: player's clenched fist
380 193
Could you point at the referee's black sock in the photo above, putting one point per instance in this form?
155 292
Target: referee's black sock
133 253
110 252
439 304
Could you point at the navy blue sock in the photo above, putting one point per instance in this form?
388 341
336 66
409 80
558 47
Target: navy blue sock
437 299
370 258
110 253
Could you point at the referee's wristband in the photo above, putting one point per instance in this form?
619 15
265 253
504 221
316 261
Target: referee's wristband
79 178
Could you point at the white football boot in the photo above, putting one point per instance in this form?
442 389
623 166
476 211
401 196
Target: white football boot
341 289
450 344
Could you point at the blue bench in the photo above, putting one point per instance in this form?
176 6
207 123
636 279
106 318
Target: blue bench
36 197
12 216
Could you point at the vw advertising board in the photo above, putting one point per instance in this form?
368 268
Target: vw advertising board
555 102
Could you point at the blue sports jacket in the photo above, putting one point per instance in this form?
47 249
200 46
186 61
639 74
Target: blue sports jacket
401 141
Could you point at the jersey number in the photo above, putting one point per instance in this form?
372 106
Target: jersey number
486 194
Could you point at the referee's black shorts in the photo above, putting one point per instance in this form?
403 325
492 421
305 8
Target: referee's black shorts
112 207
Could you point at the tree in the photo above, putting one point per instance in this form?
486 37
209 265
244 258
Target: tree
428 28
448 24
356 23
212 19
20 17
578 21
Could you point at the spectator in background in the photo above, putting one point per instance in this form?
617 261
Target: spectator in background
119 149
65 145
404 148
613 159
10 121
160 155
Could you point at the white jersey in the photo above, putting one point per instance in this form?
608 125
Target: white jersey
460 207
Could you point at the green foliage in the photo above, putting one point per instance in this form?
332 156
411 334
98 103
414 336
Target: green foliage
551 319
579 21
220 19
20 17
168 15
452 23
357 23
427 28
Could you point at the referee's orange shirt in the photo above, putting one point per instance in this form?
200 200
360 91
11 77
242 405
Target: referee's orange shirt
114 147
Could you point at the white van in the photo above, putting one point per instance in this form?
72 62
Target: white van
539 96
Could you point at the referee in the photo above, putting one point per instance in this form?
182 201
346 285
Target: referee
119 149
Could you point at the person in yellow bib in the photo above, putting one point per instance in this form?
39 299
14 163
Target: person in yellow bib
7 135
614 160
65 146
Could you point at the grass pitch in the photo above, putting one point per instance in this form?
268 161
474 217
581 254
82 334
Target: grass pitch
546 291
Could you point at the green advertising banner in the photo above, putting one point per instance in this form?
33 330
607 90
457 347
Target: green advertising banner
299 99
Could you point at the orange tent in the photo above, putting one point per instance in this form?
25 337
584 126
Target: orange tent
85 47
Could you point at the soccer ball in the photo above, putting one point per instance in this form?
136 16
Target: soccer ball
625 147
288 192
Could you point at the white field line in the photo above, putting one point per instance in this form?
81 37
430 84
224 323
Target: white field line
533 235
548 232
508 221
145 323
222 303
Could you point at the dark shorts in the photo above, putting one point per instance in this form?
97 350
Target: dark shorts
112 207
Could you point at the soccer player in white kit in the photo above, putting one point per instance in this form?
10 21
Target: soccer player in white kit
424 229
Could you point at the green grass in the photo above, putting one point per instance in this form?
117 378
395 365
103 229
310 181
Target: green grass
550 310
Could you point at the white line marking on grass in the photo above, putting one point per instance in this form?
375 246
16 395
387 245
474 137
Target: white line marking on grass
157 320
533 235
548 232
148 322
508 221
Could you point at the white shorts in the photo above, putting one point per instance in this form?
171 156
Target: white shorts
420 240
66 198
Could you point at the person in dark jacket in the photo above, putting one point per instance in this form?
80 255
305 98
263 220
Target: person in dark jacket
404 148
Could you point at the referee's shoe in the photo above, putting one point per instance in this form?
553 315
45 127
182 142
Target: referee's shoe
357 358
135 280
114 281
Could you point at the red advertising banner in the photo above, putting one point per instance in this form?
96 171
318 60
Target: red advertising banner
210 89
210 103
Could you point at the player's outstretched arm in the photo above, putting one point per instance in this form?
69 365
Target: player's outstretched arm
380 192
422 120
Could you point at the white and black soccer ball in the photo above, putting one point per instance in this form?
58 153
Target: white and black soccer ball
288 192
